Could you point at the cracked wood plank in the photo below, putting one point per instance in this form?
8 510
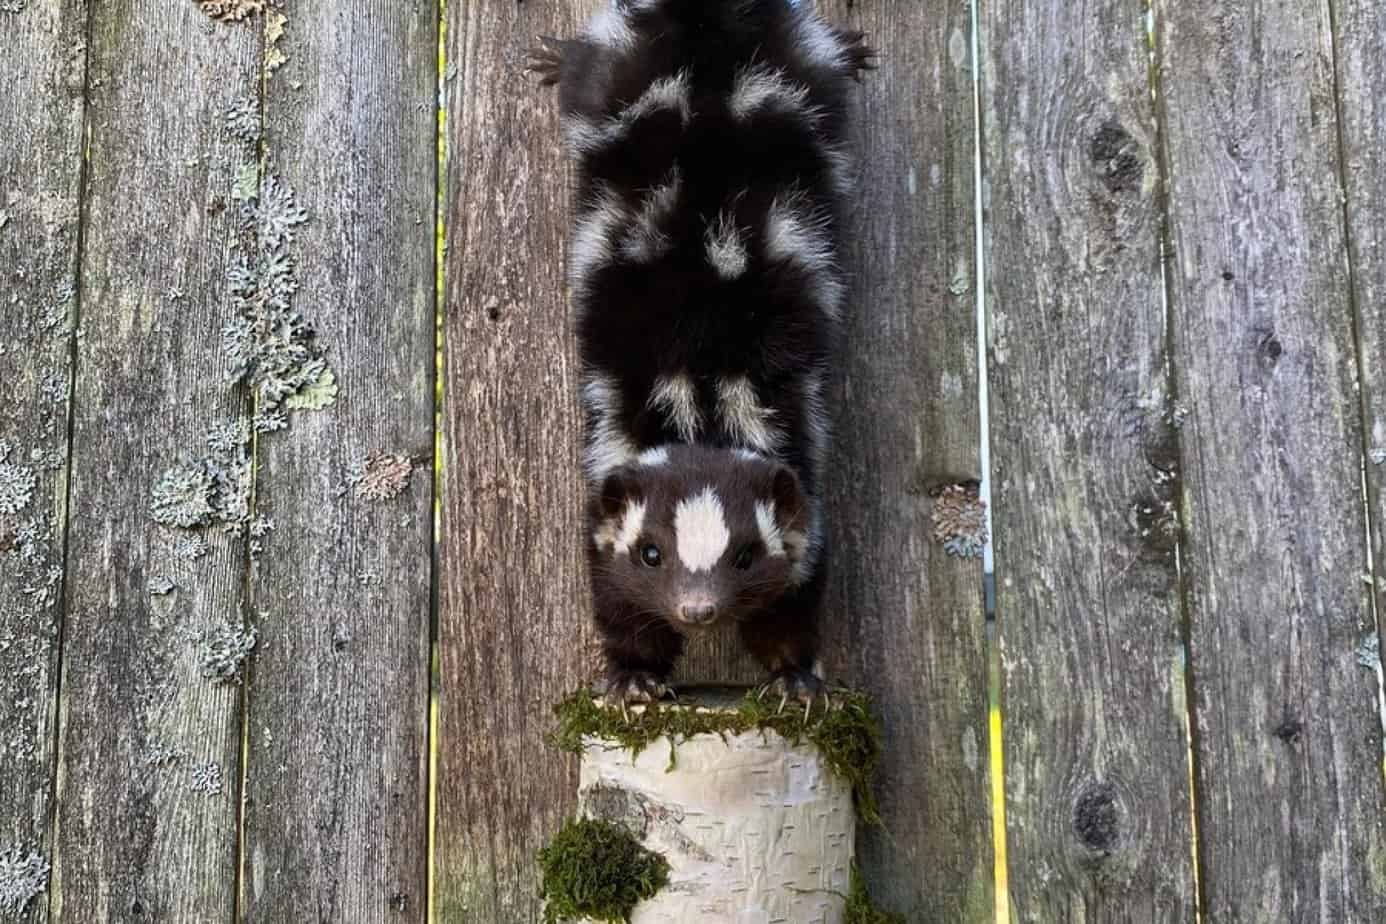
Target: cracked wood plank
1287 741
144 831
1084 469
40 172
514 614
337 772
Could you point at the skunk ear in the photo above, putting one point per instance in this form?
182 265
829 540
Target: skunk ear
788 492
618 489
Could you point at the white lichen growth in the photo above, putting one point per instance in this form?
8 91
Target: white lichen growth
182 497
17 484
245 187
223 651
233 10
960 521
279 215
160 586
243 120
163 756
385 477
189 548
1378 455
205 778
23 877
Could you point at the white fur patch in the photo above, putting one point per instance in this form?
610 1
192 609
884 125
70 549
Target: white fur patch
842 170
762 87
620 533
678 399
610 28
608 444
647 241
793 235
769 529
744 418
700 527
594 240
818 40
726 248
817 424
657 456
664 93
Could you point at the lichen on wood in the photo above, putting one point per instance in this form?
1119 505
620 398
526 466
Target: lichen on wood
862 910
23 877
597 870
846 733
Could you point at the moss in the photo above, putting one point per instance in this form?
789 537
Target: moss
860 908
847 734
597 870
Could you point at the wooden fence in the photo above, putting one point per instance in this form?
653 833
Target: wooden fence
219 606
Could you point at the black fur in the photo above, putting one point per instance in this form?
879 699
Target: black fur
638 321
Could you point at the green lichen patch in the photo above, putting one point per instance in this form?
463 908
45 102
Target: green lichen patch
846 733
862 910
597 870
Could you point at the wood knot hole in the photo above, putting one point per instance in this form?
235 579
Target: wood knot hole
1097 818
1116 155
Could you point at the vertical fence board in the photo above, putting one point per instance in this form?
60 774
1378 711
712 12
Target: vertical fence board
1287 741
513 609
905 620
337 772
148 747
40 170
1361 70
1098 811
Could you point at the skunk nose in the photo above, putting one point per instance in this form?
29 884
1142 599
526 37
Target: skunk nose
697 614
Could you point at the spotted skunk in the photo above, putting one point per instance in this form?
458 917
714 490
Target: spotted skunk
709 140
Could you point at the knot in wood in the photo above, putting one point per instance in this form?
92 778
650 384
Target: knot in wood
1117 157
1097 819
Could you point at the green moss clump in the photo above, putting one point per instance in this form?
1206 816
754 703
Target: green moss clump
860 908
597 870
847 734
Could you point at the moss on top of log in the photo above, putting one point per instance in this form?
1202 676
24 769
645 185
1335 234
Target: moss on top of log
845 733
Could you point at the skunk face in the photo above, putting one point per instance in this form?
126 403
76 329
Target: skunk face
693 536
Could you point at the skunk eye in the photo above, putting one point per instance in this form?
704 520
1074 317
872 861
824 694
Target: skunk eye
744 557
650 556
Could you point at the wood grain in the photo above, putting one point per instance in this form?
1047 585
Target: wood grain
904 620
40 169
1098 811
514 615
142 832
1287 738
1361 79
337 772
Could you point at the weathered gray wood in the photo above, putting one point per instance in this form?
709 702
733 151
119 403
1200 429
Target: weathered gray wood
905 620
1287 741
1359 30
44 66
1084 468
514 616
337 772
143 831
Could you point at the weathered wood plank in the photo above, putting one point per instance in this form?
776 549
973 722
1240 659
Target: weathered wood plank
905 620
1287 740
337 771
514 615
40 167
146 819
1359 27
1098 810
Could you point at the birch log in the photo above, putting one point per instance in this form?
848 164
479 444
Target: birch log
755 829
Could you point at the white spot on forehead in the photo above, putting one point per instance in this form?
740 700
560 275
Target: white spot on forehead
700 528
726 249
744 418
631 524
657 456
608 444
678 399
769 529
